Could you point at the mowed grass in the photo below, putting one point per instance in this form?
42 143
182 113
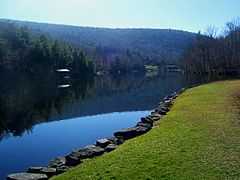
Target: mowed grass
198 139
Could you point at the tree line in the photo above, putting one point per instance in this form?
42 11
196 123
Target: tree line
22 51
212 53
119 50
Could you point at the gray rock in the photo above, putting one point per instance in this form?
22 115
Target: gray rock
161 103
111 147
91 151
73 159
34 169
174 95
168 103
49 171
126 133
131 132
147 120
43 170
167 98
88 152
161 112
154 114
103 142
156 117
27 176
164 108
62 169
147 125
94 150
58 162
171 97
117 140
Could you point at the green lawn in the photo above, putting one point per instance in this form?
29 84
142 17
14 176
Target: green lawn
198 139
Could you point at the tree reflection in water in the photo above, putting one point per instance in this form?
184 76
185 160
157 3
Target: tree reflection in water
26 101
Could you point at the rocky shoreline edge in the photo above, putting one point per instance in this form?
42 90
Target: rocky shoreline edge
62 164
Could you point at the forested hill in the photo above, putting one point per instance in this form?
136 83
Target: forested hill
132 45
22 51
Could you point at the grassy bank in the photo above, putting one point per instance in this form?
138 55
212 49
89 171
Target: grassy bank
198 139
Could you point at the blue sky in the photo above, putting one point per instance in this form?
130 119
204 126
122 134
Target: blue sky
190 15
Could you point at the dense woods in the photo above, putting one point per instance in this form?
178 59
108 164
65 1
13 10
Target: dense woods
22 51
215 54
122 50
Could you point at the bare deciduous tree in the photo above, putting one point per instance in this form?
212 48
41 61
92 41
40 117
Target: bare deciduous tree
211 31
212 53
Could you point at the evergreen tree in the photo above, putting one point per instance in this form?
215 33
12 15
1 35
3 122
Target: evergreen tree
21 51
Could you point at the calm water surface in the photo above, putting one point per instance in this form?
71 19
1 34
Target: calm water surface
41 119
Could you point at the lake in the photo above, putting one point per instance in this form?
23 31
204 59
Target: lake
45 117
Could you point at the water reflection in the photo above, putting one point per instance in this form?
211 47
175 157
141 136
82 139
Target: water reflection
26 101
49 140
89 108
